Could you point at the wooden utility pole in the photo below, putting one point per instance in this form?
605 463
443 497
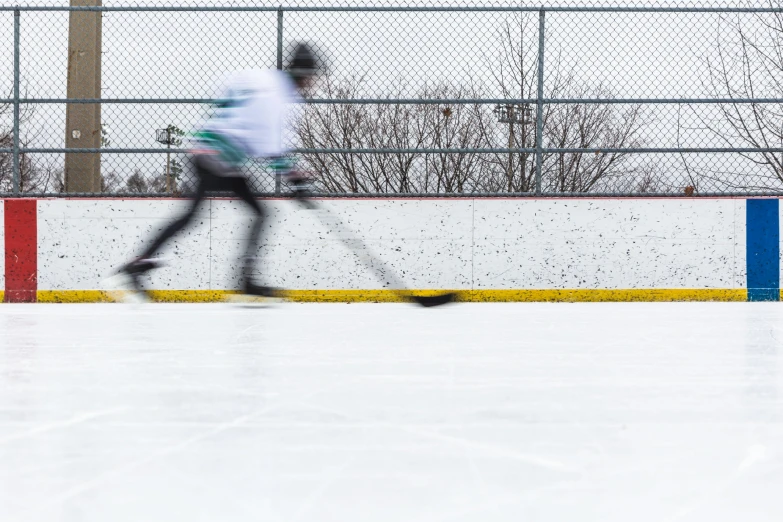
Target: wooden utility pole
83 120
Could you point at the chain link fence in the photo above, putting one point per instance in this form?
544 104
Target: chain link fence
419 101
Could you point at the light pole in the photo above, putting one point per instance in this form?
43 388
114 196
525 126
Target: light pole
521 114
165 136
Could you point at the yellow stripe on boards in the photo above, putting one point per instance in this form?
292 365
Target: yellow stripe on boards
605 295
161 296
190 296
390 296
352 296
73 296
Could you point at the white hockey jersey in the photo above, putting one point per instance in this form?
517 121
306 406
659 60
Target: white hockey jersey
256 113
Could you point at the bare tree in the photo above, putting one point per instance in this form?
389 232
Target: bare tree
410 130
591 126
37 173
413 130
747 63
335 126
454 127
515 73
111 182
140 183
572 126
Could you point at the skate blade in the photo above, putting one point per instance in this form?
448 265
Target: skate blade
252 301
120 290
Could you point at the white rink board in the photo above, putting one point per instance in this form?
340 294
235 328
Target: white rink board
611 243
431 243
426 242
81 242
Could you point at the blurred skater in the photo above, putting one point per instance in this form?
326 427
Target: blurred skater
249 122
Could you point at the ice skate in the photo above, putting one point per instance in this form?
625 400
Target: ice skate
254 295
125 286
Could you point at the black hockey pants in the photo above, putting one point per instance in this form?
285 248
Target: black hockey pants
207 169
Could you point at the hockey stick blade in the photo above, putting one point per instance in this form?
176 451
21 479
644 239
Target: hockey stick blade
428 301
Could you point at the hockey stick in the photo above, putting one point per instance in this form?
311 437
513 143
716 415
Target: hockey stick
370 261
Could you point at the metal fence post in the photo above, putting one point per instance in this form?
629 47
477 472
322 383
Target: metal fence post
16 169
278 187
540 102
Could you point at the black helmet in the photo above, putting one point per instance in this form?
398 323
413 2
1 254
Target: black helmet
304 63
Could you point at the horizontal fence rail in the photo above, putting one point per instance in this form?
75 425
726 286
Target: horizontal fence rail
395 9
423 101
453 150
411 101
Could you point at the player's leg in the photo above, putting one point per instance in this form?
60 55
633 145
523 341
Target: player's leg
145 261
240 187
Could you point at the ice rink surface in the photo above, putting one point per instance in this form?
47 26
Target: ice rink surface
385 412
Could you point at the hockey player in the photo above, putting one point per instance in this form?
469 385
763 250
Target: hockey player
249 122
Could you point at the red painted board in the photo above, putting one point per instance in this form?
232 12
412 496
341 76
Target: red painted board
21 250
